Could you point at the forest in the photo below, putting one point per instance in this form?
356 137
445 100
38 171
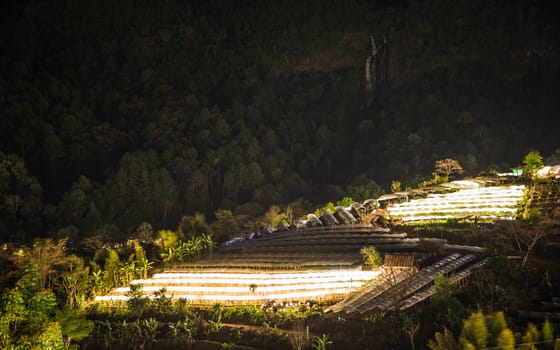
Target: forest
182 124
118 114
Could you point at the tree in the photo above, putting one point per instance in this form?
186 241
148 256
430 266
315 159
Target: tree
448 166
506 340
166 239
270 216
411 327
144 232
490 332
548 334
395 186
298 339
144 267
554 158
25 311
191 226
75 327
532 162
74 280
225 225
20 196
447 308
475 332
98 283
524 236
363 188
208 243
111 267
76 204
139 190
444 341
46 254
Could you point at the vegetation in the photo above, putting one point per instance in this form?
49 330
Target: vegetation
447 167
491 331
138 135
532 162
322 342
371 257
162 111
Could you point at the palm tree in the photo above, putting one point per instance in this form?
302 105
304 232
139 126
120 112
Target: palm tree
185 251
168 256
208 243
144 267
127 270
197 246
98 281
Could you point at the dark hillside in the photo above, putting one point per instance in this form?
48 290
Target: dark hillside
136 111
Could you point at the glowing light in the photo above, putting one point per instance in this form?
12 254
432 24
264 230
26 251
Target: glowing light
214 286
485 202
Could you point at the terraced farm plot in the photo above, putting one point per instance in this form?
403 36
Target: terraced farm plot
495 202
237 287
404 288
321 263
330 247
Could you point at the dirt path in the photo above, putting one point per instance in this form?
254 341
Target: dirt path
260 328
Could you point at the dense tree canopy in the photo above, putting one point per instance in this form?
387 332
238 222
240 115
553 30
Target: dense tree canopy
139 111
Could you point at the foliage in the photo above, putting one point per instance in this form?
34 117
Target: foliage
162 114
241 124
137 302
447 167
74 326
411 326
444 341
532 162
371 256
329 207
431 246
395 186
447 308
195 248
20 197
435 180
144 232
297 338
25 314
475 332
321 342
345 202
482 331
523 236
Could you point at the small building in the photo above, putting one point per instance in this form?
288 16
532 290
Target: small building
549 171
398 260
517 171
388 199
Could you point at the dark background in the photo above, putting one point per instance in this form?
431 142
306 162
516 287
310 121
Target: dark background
113 113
